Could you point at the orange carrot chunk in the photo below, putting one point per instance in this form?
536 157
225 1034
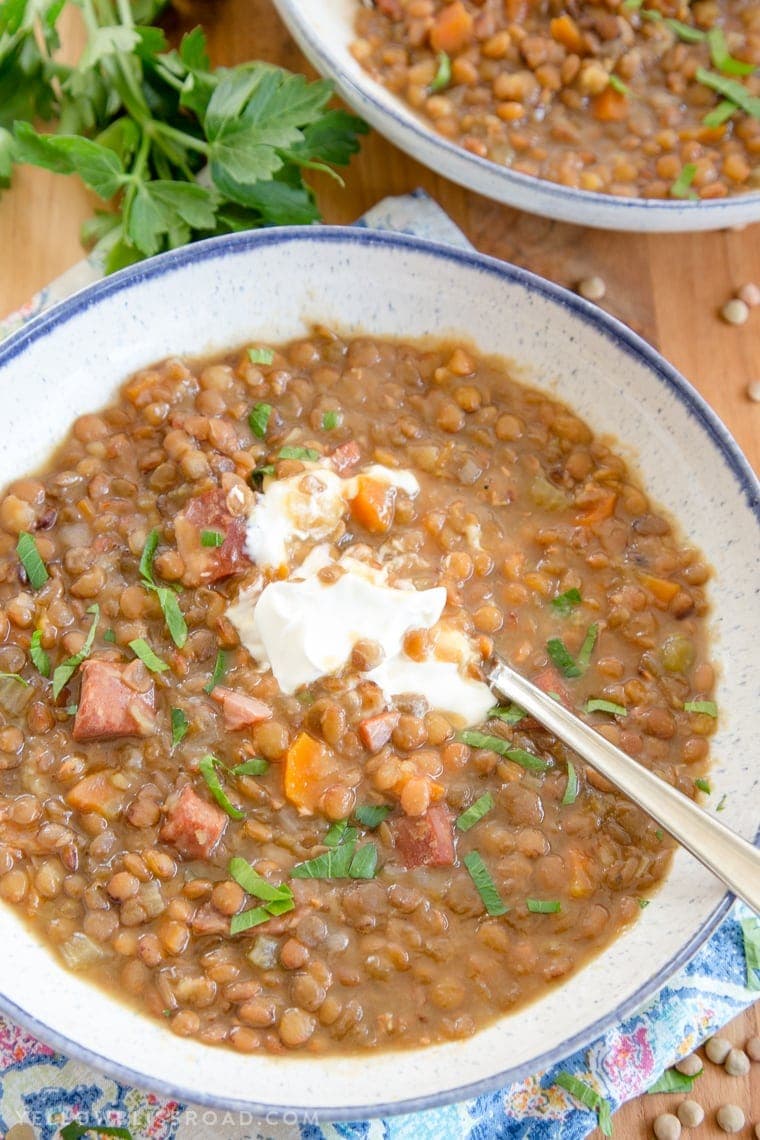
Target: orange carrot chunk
566 32
610 106
662 588
373 505
453 28
308 768
599 510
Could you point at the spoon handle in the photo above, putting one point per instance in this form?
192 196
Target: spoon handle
735 861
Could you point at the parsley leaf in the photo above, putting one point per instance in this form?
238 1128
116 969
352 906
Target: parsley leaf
180 150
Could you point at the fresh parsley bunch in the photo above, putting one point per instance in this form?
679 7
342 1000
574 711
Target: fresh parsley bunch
182 150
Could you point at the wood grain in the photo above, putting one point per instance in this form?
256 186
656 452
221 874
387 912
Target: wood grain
668 288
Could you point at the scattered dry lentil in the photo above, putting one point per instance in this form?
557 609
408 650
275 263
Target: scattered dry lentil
592 288
690 1113
717 1049
735 312
752 1048
737 1063
753 391
666 1126
749 294
730 1118
690 1065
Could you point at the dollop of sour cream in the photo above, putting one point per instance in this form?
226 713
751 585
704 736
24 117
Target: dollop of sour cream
308 506
305 628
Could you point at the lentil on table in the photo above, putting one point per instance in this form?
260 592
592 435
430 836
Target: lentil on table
625 97
114 842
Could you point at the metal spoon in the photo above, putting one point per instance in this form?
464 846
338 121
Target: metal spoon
735 861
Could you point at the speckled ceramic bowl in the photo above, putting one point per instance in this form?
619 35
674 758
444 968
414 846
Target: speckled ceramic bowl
272 285
324 30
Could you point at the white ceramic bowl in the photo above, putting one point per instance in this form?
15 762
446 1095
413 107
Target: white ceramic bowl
271 285
324 30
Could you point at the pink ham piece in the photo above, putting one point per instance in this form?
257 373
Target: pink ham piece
205 564
114 701
192 825
550 681
426 840
376 731
346 456
239 709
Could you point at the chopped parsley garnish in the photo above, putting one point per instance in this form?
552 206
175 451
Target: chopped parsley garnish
722 804
275 900
659 834
484 884
566 603
543 906
258 419
571 787
372 815
341 862
504 748
721 56
31 559
442 77
208 766
68 668
256 766
597 704
751 936
167 597
686 32
14 677
150 660
707 708
730 89
331 420
703 785
681 188
562 657
220 666
307 453
259 474
673 1081
588 1097
510 714
260 355
475 812
39 657
212 538
632 5
617 84
110 636
643 903
720 114
180 725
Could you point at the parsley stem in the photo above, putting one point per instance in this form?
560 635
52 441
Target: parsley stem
184 139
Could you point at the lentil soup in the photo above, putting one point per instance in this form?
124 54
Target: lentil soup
250 775
639 98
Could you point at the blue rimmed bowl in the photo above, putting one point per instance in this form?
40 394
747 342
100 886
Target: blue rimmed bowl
272 285
324 30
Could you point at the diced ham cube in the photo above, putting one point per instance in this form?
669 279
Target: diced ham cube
346 456
376 730
192 825
426 840
114 701
239 709
550 681
208 512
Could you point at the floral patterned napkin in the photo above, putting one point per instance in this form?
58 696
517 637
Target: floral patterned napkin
47 1090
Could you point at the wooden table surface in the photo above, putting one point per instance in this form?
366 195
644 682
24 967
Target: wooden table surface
669 288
